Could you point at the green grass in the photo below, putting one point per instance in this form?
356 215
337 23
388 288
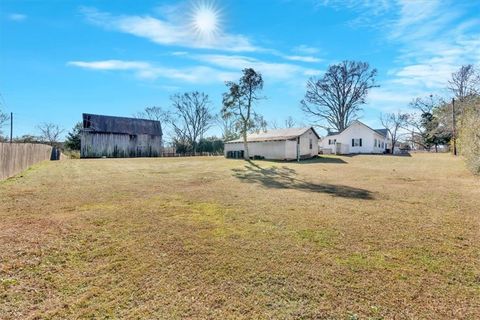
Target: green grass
363 237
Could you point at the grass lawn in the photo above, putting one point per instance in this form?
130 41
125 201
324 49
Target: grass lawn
363 237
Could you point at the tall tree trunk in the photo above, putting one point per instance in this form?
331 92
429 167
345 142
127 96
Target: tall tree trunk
245 145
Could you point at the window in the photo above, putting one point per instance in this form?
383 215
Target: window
375 144
383 145
329 141
356 142
311 146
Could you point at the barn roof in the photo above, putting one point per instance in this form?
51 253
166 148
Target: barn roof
275 135
111 124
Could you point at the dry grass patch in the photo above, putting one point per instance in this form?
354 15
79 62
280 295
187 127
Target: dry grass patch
335 238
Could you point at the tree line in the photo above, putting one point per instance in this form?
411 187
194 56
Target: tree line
332 102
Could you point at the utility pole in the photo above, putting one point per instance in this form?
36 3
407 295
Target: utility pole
11 127
454 136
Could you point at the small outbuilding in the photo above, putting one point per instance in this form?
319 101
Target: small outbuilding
277 144
119 137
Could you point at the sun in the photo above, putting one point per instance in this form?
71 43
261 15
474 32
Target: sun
205 20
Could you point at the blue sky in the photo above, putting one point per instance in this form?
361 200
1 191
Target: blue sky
61 58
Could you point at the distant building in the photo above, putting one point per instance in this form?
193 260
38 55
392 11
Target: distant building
119 137
356 138
278 144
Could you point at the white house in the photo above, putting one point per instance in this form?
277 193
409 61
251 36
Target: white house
356 138
278 144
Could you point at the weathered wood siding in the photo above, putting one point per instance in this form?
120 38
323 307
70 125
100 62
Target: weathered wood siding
16 157
115 145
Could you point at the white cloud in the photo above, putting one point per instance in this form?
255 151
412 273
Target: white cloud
111 65
271 70
148 71
167 31
435 37
390 99
429 75
304 49
374 6
435 42
17 17
303 58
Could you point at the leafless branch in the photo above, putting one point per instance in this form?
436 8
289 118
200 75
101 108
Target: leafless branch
50 133
338 96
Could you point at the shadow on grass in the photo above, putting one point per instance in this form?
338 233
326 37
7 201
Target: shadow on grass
318 159
351 155
321 159
286 178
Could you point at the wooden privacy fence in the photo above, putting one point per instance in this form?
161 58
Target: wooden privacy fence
191 154
16 157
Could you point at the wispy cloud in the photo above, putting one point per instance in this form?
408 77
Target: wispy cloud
374 6
435 40
147 71
213 68
303 58
434 37
167 30
271 70
304 49
17 17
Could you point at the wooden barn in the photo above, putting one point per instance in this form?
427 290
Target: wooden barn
119 137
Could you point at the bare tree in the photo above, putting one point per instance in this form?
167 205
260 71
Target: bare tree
4 117
394 122
152 113
238 103
274 124
228 127
191 117
465 82
337 97
259 124
289 122
157 114
50 133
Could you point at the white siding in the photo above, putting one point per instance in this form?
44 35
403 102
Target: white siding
325 143
305 150
291 149
274 150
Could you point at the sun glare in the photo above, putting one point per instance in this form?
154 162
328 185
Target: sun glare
205 20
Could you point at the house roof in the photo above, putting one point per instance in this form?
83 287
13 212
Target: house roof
332 133
382 132
111 124
276 135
